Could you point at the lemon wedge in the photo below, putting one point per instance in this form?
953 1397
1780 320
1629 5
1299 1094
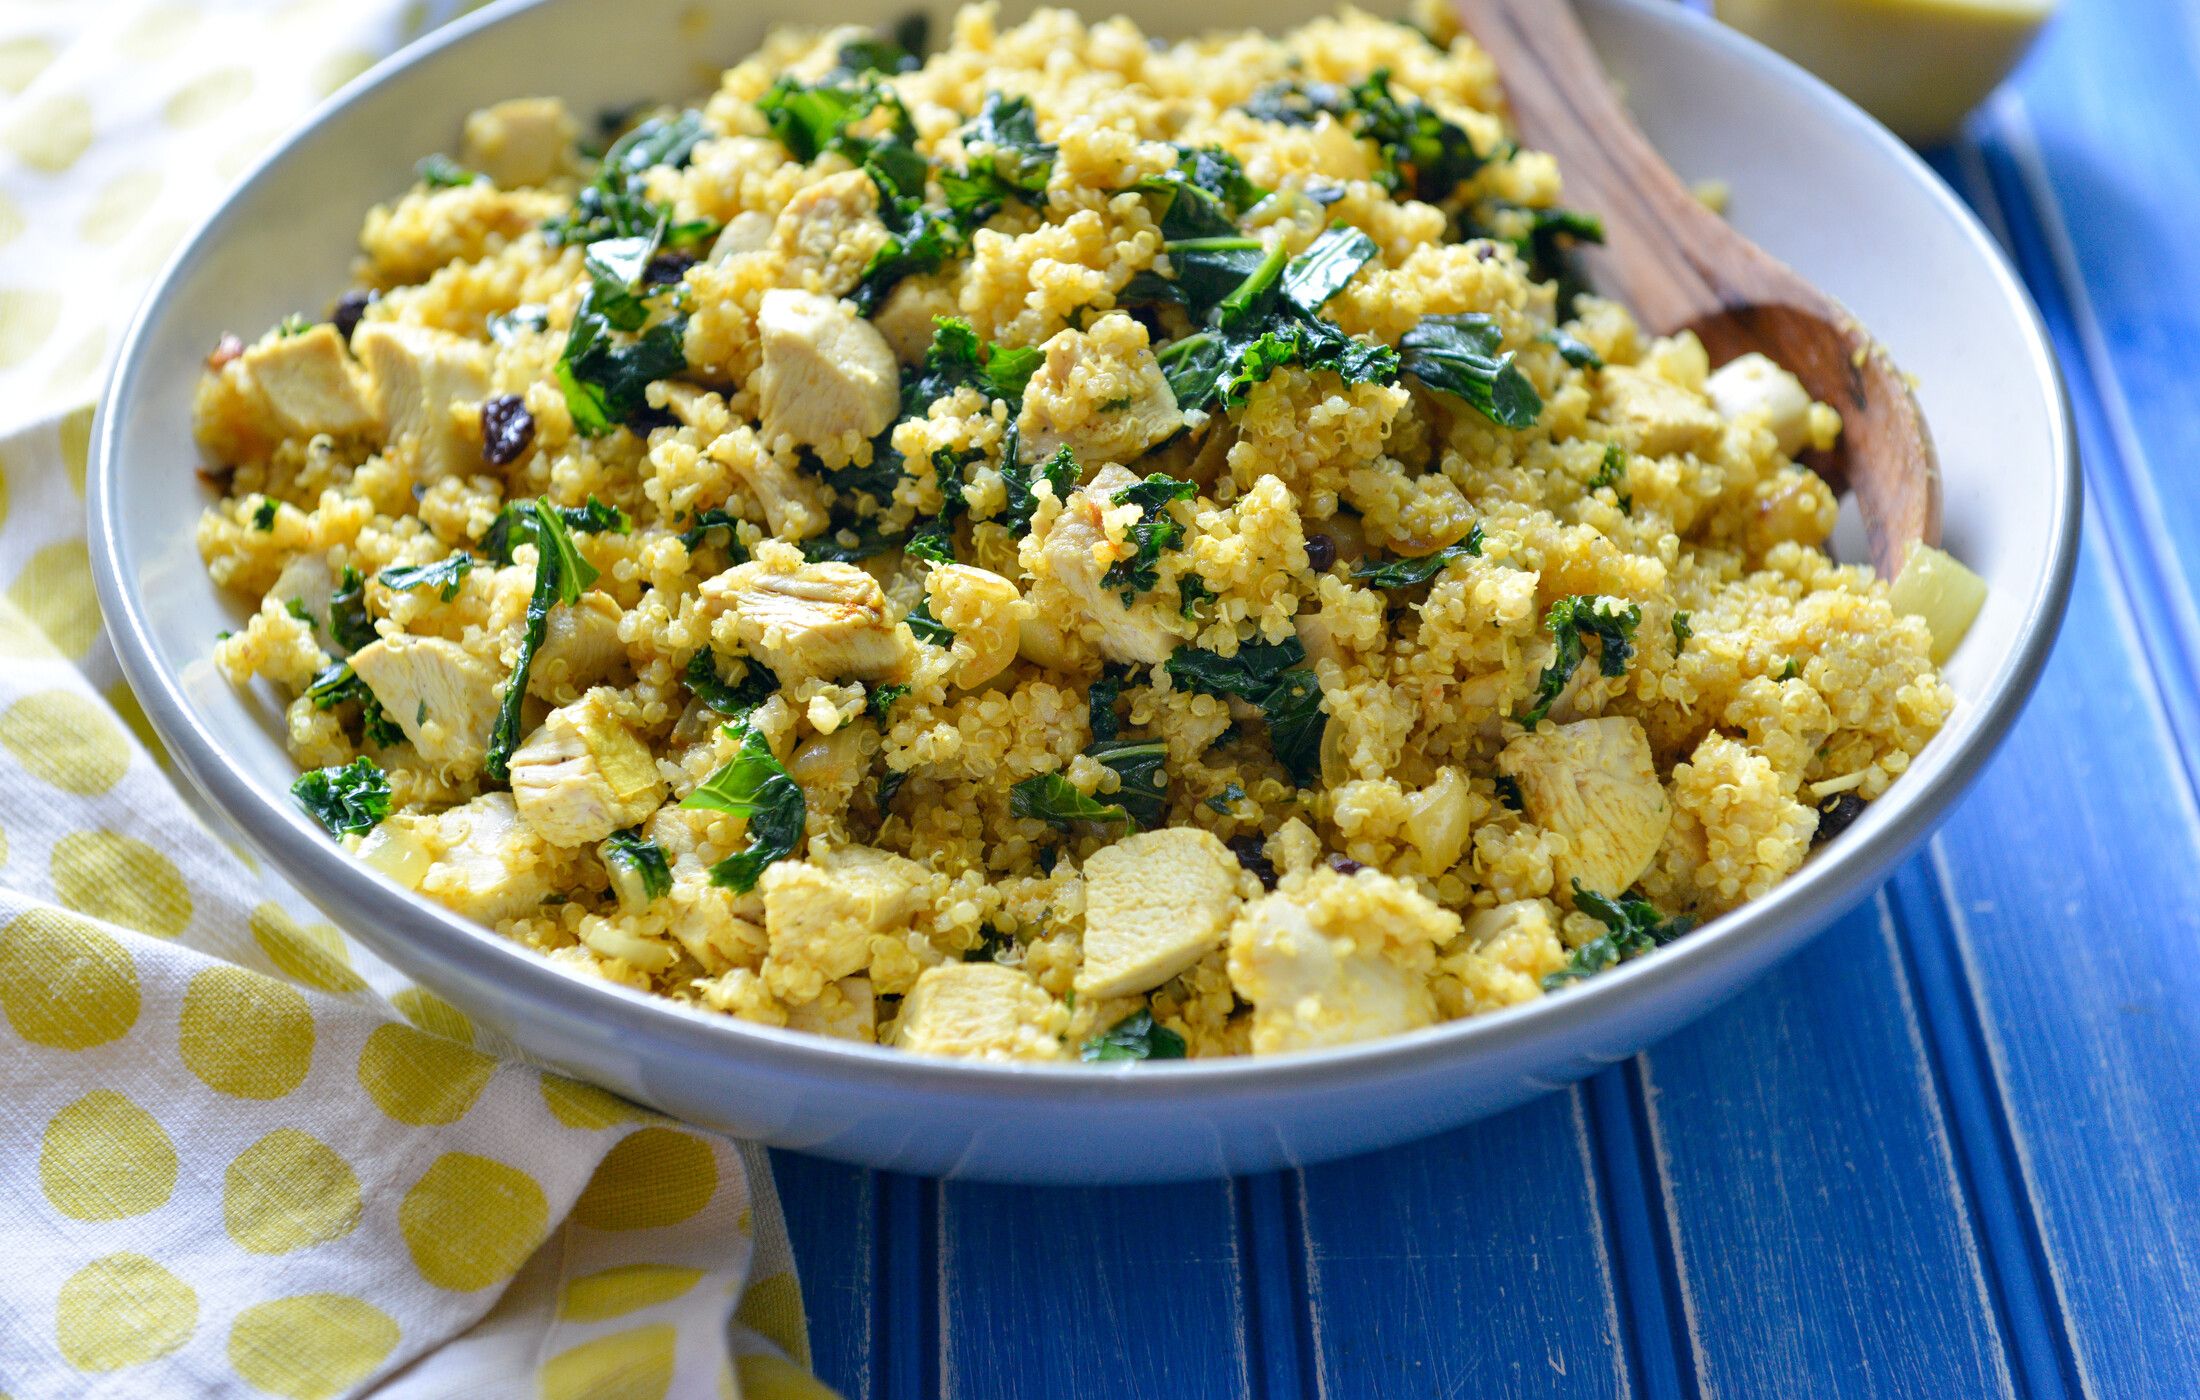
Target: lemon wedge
1917 65
1934 585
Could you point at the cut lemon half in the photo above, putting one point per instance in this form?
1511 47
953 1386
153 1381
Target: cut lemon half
1917 65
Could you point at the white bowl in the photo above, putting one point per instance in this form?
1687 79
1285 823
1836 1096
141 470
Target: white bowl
1813 179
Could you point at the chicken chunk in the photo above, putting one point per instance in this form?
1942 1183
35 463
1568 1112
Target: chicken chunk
309 384
749 231
1100 392
828 232
794 504
442 696
419 376
705 917
520 142
1155 903
1655 416
828 380
488 865
583 774
308 582
809 620
822 913
1328 959
985 613
1068 566
1753 387
1503 955
580 648
1593 782
981 1011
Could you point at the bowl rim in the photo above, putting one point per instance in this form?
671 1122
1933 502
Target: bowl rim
461 949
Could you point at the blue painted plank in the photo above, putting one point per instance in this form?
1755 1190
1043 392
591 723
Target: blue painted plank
1817 1221
2067 883
2092 153
1471 1264
1052 1294
831 1211
2064 885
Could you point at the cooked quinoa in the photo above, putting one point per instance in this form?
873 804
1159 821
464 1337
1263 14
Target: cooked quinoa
1065 545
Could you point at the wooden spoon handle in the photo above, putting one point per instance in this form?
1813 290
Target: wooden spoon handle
1666 256
1681 267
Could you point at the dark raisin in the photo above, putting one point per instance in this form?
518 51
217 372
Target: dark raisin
506 430
667 267
1837 815
1251 852
646 420
349 308
1345 865
1321 552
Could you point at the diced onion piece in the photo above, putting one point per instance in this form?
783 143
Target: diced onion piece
397 853
1932 585
607 940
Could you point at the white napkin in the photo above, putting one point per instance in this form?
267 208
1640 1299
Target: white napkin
238 1154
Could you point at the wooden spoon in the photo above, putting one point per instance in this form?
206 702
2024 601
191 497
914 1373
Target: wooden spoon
1681 267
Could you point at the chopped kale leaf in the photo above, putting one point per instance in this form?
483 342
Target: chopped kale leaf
1013 164
1612 472
1458 355
612 355
348 800
1632 927
1100 703
1020 478
882 699
1156 531
1136 1037
634 858
1569 621
927 628
1574 350
339 684
440 172
561 576
1138 763
1271 676
705 522
1421 153
1409 573
753 785
444 576
348 621
515 525
1050 797
1226 801
957 358
613 204
734 701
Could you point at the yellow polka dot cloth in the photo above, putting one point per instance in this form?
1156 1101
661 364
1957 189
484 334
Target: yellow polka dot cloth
239 1155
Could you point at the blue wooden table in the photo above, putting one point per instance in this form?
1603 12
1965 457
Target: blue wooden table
1950 1150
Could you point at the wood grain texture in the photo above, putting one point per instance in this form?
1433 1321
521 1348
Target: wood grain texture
1472 1264
1682 267
1819 1227
1050 1294
831 1211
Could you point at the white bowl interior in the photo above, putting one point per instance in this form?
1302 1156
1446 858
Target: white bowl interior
1811 179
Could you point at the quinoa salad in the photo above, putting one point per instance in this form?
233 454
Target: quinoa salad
1047 544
